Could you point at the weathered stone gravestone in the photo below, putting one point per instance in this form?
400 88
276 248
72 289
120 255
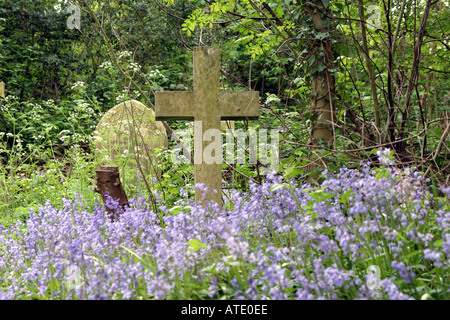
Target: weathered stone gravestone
2 89
207 106
129 132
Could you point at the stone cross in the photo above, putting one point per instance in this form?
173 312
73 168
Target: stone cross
207 106
2 89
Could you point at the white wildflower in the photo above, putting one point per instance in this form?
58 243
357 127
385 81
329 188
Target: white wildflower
124 54
77 84
105 65
385 157
57 7
134 67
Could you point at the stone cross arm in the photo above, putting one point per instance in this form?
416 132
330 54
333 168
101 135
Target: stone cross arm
231 105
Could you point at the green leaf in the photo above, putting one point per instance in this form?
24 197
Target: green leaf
174 210
291 173
318 68
413 254
382 174
344 198
195 245
322 35
439 243
280 186
144 262
326 3
209 269
320 196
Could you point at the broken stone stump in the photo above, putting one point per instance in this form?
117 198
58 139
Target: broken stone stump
108 184
129 133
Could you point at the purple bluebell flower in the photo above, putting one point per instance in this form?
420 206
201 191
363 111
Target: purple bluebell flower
393 291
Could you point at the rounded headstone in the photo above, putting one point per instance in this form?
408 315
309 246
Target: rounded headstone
127 130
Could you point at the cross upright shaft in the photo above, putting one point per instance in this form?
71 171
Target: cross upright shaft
2 89
207 106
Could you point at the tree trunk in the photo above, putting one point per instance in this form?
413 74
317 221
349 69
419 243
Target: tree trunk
373 88
414 75
322 84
